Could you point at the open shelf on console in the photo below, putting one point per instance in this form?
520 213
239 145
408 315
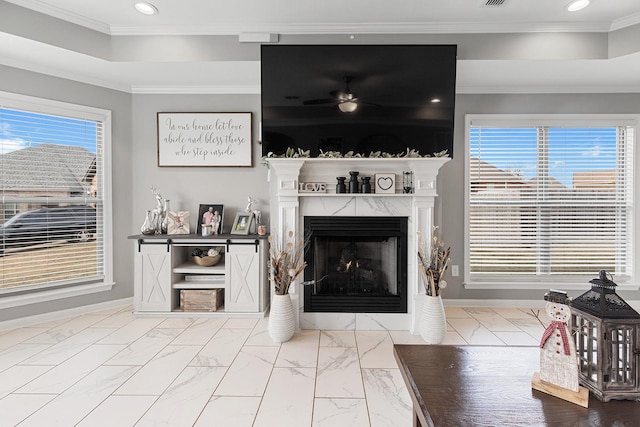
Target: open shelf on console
190 267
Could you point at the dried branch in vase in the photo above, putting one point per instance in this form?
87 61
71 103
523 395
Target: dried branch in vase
434 260
286 261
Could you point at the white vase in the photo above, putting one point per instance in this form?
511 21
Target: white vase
281 318
433 323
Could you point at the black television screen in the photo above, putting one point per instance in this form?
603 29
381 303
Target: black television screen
360 98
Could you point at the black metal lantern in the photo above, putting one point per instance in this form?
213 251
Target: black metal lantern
607 334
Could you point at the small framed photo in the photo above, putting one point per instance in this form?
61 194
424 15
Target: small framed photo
242 223
385 183
178 222
210 214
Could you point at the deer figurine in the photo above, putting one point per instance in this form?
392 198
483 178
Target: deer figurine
160 212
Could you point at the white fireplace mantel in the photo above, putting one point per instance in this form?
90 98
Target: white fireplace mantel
291 170
289 207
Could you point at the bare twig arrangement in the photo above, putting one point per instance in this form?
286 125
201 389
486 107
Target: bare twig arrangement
286 261
434 261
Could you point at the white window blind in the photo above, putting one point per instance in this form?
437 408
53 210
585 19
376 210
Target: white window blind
549 199
52 217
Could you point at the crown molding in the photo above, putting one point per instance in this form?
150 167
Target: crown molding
627 21
462 90
196 90
371 28
487 90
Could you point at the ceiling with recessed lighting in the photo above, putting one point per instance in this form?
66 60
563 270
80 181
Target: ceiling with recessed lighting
193 46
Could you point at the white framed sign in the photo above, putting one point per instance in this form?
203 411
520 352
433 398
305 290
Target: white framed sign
204 139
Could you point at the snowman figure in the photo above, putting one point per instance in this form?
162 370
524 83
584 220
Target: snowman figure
558 360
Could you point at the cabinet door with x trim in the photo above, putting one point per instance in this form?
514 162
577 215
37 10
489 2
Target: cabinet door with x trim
242 268
153 278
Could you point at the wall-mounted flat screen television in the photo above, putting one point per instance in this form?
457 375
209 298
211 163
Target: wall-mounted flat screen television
359 98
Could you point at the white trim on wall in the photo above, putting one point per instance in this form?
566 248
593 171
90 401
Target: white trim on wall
22 322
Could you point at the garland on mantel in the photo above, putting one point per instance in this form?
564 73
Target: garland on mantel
293 153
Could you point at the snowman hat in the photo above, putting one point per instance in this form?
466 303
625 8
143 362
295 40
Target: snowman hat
557 296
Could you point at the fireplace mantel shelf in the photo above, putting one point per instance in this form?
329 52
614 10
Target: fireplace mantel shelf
319 194
359 161
292 171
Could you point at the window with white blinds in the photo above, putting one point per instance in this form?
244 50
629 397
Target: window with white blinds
52 185
549 198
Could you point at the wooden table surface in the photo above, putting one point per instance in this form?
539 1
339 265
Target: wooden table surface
491 386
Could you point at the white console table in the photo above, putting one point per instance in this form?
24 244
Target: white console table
164 266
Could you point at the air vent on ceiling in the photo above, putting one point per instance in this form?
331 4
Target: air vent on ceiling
493 3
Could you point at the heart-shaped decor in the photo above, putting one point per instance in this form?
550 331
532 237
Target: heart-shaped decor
385 183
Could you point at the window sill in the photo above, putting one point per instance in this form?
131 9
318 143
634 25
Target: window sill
551 284
21 299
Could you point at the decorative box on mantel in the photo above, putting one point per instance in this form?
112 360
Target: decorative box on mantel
607 334
289 207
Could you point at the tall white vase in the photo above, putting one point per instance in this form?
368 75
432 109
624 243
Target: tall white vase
433 323
281 318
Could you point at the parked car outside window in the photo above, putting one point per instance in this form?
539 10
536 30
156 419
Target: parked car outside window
75 223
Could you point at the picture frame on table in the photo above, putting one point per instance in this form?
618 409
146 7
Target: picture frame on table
210 209
242 223
178 222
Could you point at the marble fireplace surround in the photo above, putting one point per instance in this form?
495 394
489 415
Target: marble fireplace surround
289 207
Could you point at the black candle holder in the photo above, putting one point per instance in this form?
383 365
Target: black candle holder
366 184
353 182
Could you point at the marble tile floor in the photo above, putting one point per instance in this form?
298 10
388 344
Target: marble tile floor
110 368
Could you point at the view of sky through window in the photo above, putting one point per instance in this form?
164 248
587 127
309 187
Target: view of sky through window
19 129
570 150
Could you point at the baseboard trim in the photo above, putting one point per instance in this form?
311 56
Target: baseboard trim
508 303
61 314
46 295
498 303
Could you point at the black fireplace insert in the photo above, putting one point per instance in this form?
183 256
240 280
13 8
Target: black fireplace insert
358 264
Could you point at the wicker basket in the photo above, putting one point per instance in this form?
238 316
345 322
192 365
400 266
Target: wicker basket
207 261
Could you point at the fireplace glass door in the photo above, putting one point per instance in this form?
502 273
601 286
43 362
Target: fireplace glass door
358 264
